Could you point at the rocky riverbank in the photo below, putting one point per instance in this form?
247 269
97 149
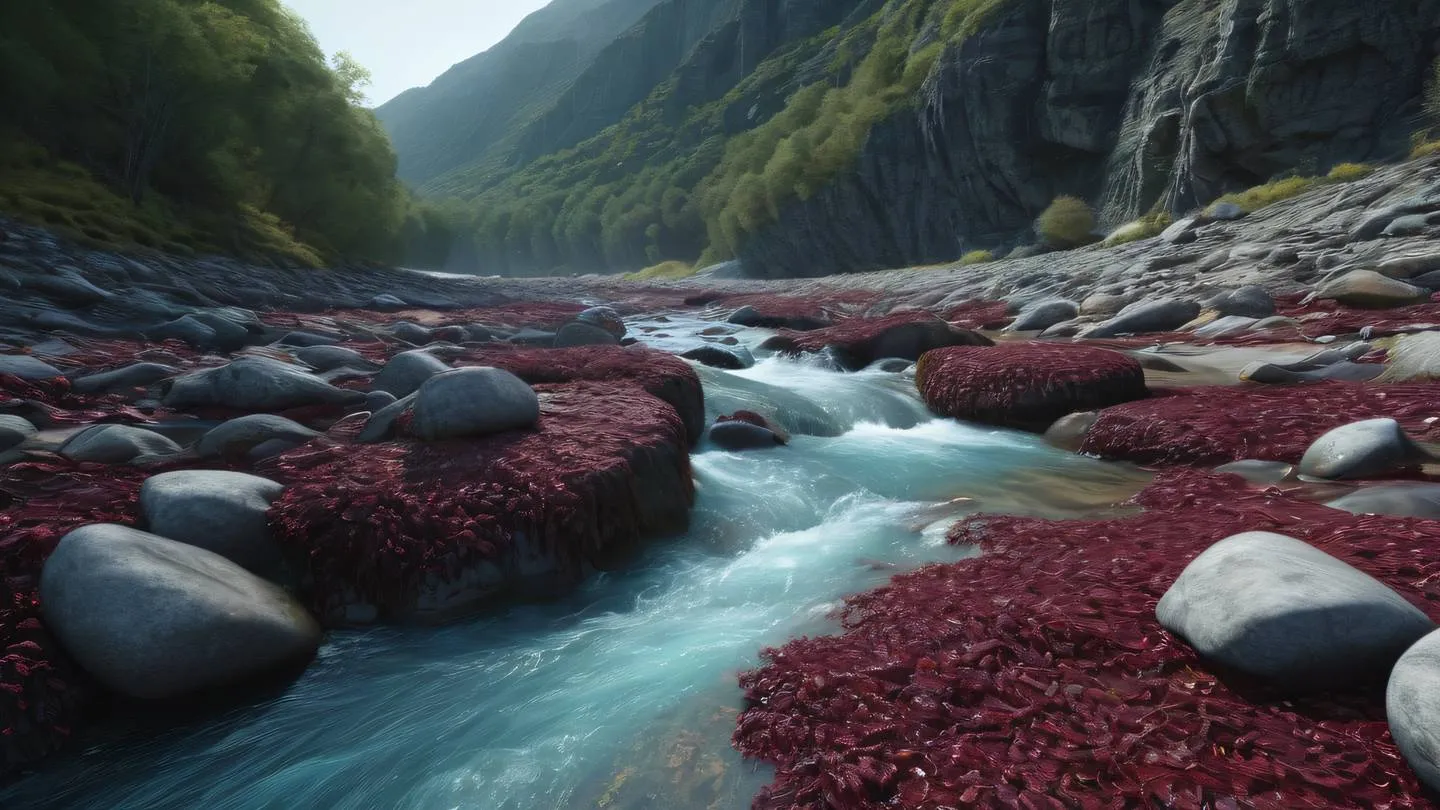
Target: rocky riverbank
241 456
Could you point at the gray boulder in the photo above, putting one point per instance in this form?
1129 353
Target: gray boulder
1406 499
1367 288
1069 432
1282 609
1257 471
1361 450
1225 212
1227 325
1412 706
152 618
1250 302
750 316
27 368
255 384
1103 304
1408 225
14 431
716 356
1429 281
239 436
219 511
411 333
407 371
1164 315
116 444
329 358
473 401
533 337
1042 315
376 400
742 436
381 424
230 334
604 318
136 375
302 339
187 329
583 334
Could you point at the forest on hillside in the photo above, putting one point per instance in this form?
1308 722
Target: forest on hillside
196 126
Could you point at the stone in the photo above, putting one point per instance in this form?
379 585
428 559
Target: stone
381 424
136 375
376 400
255 384
1409 265
386 301
1412 707
474 401
411 333
222 512
740 435
1068 432
329 358
1163 315
732 358
1181 232
407 371
151 618
14 431
1367 288
604 318
750 316
1103 304
27 368
1277 374
1225 212
1258 471
1251 302
1042 315
1429 281
300 339
584 334
1405 499
1064 329
1408 225
230 334
240 435
1366 449
1281 609
187 329
1228 325
116 444
1275 322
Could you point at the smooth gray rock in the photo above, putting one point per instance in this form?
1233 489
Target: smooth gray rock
411 333
474 401
1408 225
1181 232
1250 302
1361 450
386 301
1429 281
1276 374
14 431
1164 315
1225 212
1228 325
1042 315
1367 288
716 356
583 334
1282 609
136 375
1064 329
381 424
750 316
605 318
1103 304
27 368
230 333
238 436
1412 707
329 358
742 436
1068 432
116 444
152 618
270 449
187 329
302 339
219 511
1257 471
407 371
376 400
1404 499
255 384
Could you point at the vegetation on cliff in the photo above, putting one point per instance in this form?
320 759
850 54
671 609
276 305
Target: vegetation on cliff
195 125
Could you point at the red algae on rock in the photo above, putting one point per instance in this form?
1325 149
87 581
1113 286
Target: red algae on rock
857 342
1037 676
1215 425
1026 385
606 467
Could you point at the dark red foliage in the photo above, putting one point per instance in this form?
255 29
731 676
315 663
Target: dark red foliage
1322 317
42 692
663 375
606 467
52 403
1214 425
979 314
1037 675
1026 385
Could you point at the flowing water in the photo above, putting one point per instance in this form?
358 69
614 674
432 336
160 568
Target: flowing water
622 695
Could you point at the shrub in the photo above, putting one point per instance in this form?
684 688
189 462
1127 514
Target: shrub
1422 146
663 271
977 257
1349 172
1142 228
1275 191
1067 223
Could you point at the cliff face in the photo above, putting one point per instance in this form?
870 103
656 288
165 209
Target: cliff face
1128 103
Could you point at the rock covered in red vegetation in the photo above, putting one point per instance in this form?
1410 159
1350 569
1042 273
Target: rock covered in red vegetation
858 342
1026 385
1037 675
1214 425
397 529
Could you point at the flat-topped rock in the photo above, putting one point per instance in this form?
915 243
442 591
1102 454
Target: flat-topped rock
475 401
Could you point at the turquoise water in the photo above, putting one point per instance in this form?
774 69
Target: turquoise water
622 695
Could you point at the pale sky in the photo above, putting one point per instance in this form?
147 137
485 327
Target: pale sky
407 43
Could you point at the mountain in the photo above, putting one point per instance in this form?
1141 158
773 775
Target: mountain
807 137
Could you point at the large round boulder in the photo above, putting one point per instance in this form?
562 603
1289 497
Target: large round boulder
715 355
116 444
255 384
407 371
747 430
1364 449
1367 288
603 318
1026 385
217 510
1412 706
1279 608
152 618
236 437
1042 315
1250 302
473 401
778 317
584 334
1164 315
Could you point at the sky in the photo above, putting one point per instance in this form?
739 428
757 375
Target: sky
407 43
